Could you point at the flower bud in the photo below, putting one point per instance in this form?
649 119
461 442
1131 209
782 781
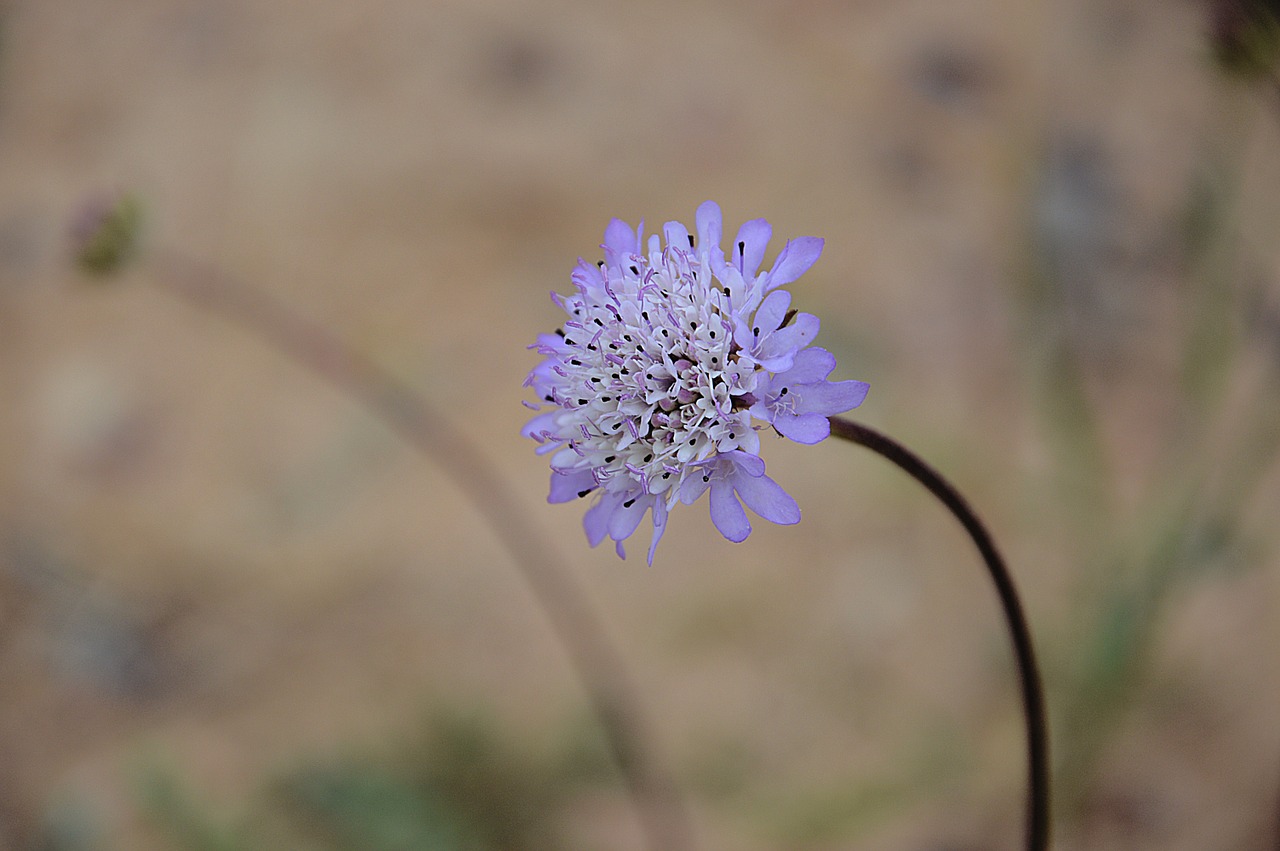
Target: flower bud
104 233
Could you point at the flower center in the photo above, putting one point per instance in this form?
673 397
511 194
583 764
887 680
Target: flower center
651 380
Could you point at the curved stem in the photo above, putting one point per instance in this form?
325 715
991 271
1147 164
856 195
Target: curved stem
1033 705
599 666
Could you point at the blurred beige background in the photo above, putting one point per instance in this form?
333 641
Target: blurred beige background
208 554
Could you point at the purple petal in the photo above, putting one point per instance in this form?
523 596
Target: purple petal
811 364
804 428
778 352
587 276
542 422
710 224
626 518
619 241
796 258
749 440
830 397
566 487
766 497
753 237
659 526
752 465
677 235
771 312
727 514
691 488
596 521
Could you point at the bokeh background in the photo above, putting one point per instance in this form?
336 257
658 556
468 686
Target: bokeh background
237 612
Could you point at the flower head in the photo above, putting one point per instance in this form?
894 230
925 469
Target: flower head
671 359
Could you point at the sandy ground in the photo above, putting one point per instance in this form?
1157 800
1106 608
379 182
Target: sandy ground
211 555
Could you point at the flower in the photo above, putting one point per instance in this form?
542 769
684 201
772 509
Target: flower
671 360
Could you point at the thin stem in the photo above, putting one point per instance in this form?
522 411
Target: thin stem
599 666
1032 691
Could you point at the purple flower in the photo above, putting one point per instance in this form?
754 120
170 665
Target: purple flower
672 356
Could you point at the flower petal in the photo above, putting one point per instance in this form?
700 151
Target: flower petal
766 497
677 235
659 526
752 465
748 248
794 260
777 352
749 441
545 421
619 241
830 397
709 223
811 364
803 428
692 487
771 312
626 517
596 521
566 487
727 514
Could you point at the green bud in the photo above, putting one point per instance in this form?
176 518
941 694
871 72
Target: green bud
104 234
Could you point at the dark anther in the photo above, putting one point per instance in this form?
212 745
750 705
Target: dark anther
713 335
570 342
582 401
666 475
635 271
742 248
610 459
560 331
706 477
600 263
648 458
576 362
629 503
783 392
606 398
598 322
786 320
691 240
581 494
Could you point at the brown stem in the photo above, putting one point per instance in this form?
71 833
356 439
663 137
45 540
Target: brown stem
1033 706
599 666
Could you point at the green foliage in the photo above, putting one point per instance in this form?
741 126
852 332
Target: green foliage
464 787
1189 520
